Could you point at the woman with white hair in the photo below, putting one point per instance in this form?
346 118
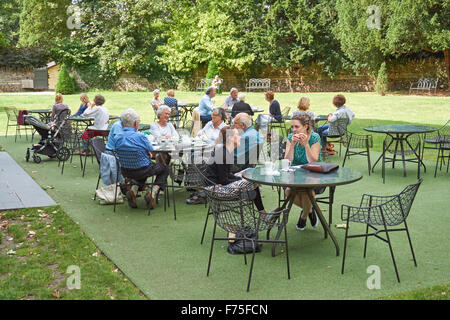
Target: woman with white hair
156 102
162 127
241 106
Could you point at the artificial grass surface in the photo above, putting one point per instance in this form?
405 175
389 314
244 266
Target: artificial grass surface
165 259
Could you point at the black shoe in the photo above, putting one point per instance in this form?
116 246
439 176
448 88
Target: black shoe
313 219
301 224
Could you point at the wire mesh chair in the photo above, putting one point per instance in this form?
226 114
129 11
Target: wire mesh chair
99 147
73 143
237 215
436 140
337 132
384 211
443 147
127 159
362 142
280 124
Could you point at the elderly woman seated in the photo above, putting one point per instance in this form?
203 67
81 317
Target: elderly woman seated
213 127
163 128
241 106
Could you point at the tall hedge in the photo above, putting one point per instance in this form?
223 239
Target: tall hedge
66 82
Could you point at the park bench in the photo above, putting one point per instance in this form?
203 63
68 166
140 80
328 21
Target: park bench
258 84
425 84
206 83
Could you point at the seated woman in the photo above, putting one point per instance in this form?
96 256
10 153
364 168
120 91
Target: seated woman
302 147
101 118
219 167
213 127
341 112
156 102
241 106
85 103
163 128
172 103
57 108
303 107
274 112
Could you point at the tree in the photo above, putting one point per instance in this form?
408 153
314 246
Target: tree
42 22
381 85
66 83
9 20
201 31
405 27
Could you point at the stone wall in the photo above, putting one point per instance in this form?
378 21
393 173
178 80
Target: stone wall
10 79
299 79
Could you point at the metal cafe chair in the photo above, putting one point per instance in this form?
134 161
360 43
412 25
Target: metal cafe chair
378 213
235 213
361 142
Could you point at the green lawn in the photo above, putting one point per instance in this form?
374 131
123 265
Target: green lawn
164 259
370 108
37 247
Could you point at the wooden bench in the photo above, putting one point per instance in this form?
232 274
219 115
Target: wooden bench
425 84
258 84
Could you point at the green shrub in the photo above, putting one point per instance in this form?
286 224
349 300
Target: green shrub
381 85
213 69
66 83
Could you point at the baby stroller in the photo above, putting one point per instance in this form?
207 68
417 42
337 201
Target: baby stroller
52 139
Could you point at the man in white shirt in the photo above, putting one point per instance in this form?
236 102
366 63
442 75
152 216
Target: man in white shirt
212 128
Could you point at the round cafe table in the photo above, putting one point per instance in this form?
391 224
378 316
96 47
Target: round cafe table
400 134
185 109
302 180
44 114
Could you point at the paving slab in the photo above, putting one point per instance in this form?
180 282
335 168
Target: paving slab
17 189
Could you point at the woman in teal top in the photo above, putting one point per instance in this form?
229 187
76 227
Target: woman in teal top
302 147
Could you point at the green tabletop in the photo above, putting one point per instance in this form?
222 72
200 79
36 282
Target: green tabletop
40 111
302 178
400 129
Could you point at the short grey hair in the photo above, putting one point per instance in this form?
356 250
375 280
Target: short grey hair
220 112
241 97
233 89
209 90
161 109
129 117
245 119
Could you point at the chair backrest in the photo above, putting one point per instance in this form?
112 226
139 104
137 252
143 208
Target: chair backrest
397 209
10 113
338 128
99 146
129 158
285 111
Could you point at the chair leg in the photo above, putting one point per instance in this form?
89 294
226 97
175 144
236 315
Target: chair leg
437 162
98 182
173 201
206 223
410 244
287 252
368 159
390 246
252 263
212 246
365 241
345 241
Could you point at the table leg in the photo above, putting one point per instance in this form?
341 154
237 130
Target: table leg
403 156
322 220
289 199
385 147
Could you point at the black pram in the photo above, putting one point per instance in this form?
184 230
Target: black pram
52 139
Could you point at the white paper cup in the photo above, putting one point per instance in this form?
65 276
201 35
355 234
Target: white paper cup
268 167
285 164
